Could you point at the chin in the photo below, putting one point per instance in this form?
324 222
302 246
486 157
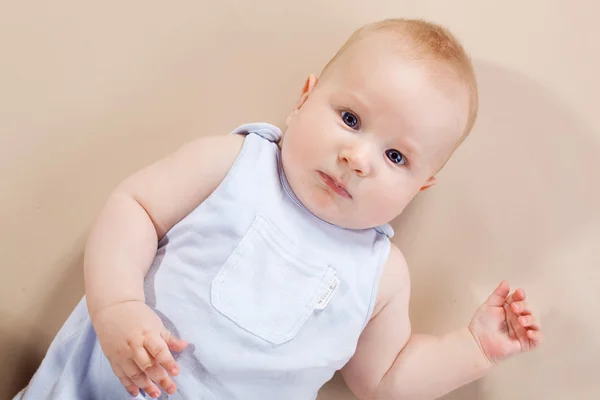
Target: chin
348 220
337 218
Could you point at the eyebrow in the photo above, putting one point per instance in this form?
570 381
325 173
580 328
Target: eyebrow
409 150
356 98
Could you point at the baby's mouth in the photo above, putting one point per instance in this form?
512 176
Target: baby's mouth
335 185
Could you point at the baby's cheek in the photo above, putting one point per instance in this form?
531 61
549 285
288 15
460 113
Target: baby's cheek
385 207
297 153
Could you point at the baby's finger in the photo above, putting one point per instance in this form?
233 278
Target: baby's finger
519 331
158 350
529 321
509 325
175 344
152 368
520 308
140 379
536 337
498 296
125 381
517 295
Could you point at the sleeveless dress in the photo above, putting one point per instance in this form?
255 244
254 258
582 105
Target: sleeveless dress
271 299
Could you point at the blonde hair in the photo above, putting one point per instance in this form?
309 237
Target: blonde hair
428 43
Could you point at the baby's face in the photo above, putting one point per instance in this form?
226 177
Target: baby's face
369 136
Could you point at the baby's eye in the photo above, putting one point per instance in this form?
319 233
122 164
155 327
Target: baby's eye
350 119
395 156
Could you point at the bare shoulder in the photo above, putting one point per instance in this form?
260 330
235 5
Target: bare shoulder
172 187
394 281
218 147
206 157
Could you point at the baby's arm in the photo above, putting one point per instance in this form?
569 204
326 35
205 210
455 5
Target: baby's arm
123 241
122 245
392 363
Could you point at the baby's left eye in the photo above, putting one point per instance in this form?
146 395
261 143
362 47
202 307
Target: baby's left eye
395 156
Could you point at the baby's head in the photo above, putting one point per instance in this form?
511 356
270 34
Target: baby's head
379 123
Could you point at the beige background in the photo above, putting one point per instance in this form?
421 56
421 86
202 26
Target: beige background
91 91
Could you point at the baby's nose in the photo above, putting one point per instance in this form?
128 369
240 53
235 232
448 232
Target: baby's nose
357 158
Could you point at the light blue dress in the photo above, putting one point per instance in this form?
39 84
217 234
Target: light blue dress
271 298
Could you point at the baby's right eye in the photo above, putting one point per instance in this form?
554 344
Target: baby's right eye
350 119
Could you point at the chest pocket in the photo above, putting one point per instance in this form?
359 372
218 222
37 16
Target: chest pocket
266 289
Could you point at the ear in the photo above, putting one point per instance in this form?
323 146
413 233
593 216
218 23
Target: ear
309 85
430 182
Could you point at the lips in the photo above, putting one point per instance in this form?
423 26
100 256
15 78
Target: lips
335 185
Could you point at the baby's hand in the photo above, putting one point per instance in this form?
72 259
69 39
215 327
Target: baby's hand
137 346
504 325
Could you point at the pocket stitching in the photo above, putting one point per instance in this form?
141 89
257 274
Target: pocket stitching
227 267
305 310
285 255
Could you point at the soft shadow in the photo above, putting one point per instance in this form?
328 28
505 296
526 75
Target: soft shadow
505 207
21 358
336 389
25 353
66 294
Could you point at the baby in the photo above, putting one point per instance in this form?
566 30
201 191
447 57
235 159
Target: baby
269 252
